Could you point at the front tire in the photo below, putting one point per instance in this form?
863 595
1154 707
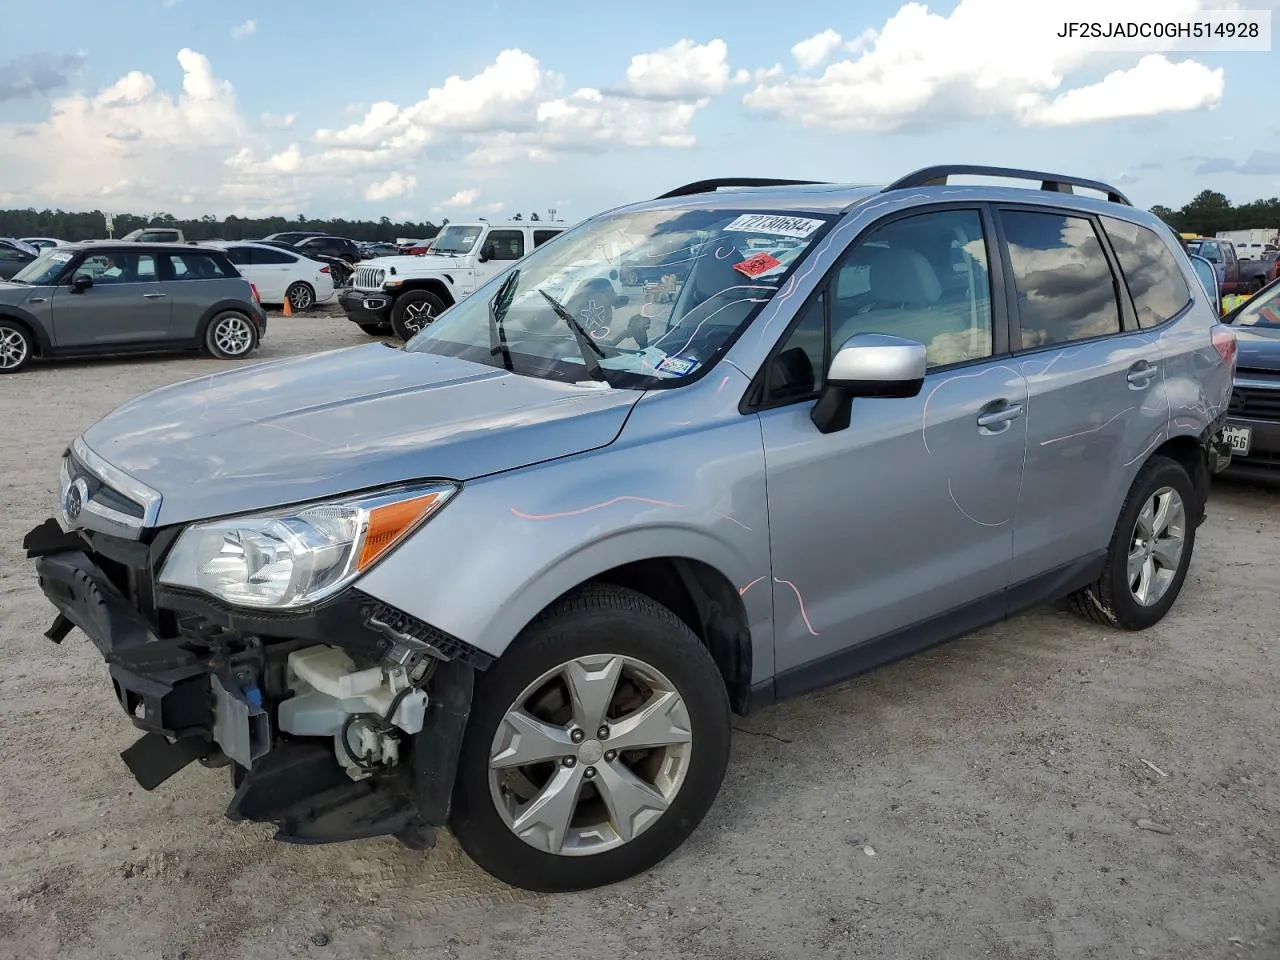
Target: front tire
230 336
1149 553
595 746
413 312
16 347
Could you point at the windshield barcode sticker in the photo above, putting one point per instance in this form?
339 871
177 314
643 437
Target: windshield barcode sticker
798 227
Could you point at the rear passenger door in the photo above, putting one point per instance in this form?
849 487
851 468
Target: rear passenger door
1095 379
900 525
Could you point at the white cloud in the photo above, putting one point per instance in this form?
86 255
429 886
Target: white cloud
278 121
591 117
462 200
246 29
987 58
683 71
1154 86
814 51
396 185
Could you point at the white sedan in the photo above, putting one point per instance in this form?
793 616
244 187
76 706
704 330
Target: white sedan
43 243
280 275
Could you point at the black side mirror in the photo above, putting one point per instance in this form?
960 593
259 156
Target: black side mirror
868 365
81 283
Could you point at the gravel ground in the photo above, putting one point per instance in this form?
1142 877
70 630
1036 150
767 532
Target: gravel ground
980 800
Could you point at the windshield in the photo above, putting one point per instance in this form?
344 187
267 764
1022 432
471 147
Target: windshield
637 299
43 269
454 240
1262 311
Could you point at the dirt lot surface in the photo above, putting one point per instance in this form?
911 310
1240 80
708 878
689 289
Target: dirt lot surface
981 800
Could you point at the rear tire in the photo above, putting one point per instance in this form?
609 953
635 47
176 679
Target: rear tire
300 296
230 336
414 310
1113 599
16 347
659 793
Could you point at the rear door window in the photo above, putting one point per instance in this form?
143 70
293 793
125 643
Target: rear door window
1153 276
1065 288
268 257
542 236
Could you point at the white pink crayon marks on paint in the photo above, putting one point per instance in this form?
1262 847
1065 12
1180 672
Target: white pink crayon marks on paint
804 615
566 514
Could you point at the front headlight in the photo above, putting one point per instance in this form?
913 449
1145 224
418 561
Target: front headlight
297 556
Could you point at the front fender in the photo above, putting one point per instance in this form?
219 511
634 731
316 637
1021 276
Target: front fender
510 544
34 327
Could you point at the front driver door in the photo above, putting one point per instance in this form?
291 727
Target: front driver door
501 248
127 303
904 519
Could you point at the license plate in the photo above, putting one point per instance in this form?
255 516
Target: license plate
1238 438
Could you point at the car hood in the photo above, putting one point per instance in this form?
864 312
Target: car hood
352 419
425 263
1257 349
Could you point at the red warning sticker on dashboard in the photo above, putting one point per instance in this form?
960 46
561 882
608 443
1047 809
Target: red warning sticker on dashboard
754 266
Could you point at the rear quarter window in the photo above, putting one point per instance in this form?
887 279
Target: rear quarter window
1150 270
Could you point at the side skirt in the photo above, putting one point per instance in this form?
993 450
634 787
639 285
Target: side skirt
963 620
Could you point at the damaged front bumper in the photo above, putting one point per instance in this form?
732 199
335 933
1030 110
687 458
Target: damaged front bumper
206 683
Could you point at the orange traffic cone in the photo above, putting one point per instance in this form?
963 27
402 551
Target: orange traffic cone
288 310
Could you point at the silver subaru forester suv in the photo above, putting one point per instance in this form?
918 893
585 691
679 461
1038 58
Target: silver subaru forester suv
514 577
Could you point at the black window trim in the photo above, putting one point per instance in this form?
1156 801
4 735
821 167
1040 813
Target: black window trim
1124 306
1001 307
1124 280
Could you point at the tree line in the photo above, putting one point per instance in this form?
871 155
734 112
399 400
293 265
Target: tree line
91 225
1207 213
1210 212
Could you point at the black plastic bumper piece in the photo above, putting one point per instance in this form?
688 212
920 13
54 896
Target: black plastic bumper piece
154 759
302 790
365 307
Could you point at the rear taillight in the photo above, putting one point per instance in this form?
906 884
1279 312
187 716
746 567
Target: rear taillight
324 269
1224 341
256 299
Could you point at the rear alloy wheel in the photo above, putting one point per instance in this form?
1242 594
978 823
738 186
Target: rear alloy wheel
1150 551
16 347
300 296
595 746
413 312
230 335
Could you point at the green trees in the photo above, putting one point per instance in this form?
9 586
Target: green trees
1210 211
91 225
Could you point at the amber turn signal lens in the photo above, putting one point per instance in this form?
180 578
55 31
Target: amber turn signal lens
388 524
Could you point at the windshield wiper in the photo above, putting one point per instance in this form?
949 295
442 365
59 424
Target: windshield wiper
497 312
591 352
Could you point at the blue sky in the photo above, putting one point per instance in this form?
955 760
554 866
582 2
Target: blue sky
275 116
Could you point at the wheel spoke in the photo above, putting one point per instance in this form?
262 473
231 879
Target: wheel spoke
659 723
526 739
1167 551
1161 519
1144 580
591 685
544 821
1145 517
631 802
1136 557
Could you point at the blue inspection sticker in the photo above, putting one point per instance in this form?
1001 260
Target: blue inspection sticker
680 366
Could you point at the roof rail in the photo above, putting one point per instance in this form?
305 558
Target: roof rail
1054 182
710 186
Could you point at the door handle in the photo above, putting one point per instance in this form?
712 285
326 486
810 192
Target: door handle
38 300
997 416
153 296
1141 374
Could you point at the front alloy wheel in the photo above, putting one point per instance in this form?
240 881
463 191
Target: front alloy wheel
15 348
590 755
595 746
